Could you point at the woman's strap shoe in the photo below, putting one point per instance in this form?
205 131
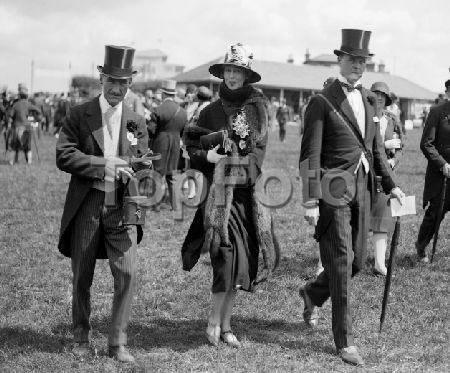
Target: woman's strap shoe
230 339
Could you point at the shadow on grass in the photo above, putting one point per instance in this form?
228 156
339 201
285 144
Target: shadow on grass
25 340
185 335
298 266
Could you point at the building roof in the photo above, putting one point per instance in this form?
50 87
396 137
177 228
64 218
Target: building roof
307 77
329 58
150 53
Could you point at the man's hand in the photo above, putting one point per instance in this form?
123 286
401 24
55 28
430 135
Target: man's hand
398 194
312 215
116 168
213 157
446 170
393 144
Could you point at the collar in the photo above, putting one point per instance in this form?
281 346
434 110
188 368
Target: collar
343 80
105 106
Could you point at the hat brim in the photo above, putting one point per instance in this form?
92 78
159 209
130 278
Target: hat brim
169 91
117 76
217 71
339 52
388 98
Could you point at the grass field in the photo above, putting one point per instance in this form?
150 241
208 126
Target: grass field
166 333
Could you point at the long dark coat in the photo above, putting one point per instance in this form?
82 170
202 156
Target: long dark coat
79 151
435 145
169 120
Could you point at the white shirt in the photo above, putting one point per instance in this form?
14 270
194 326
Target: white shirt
355 100
356 103
114 113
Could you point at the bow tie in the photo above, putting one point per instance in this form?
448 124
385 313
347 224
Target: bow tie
349 87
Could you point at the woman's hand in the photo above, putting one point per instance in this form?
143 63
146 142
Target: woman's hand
213 157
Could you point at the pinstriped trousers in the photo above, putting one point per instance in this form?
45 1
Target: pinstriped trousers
343 250
94 225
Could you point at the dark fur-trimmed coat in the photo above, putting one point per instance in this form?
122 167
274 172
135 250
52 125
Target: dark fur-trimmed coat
215 218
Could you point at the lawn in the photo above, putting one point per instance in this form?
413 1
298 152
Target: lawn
166 333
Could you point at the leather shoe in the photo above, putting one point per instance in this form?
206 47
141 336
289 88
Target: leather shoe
81 349
380 272
310 312
351 356
121 354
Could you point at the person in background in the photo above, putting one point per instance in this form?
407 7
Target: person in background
21 115
190 100
62 112
166 127
435 145
273 107
284 115
394 108
391 136
447 90
133 101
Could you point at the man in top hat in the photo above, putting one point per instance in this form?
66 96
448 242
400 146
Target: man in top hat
340 157
167 125
435 145
92 146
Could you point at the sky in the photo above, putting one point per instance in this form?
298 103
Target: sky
68 37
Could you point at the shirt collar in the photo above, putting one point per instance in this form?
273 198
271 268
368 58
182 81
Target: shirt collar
343 80
104 105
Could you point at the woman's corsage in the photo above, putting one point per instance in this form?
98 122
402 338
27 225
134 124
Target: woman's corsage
241 132
131 132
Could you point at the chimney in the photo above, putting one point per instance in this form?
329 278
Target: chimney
290 59
307 55
381 67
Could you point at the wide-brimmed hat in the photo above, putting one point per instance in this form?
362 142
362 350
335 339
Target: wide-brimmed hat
204 93
118 62
355 43
168 87
238 55
383 88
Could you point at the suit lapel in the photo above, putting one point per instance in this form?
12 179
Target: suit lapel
346 110
370 113
94 120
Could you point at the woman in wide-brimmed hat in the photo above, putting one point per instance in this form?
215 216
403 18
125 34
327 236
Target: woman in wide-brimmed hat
391 134
231 231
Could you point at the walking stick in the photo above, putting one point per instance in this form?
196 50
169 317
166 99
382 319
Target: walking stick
387 284
439 218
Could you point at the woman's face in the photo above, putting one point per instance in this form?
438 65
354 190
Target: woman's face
234 77
381 99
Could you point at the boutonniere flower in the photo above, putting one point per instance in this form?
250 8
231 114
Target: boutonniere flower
375 119
131 132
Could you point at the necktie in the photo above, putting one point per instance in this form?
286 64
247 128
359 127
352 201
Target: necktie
351 88
108 115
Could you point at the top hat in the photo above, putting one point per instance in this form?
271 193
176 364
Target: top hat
383 88
355 43
168 87
238 55
22 88
118 62
204 93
